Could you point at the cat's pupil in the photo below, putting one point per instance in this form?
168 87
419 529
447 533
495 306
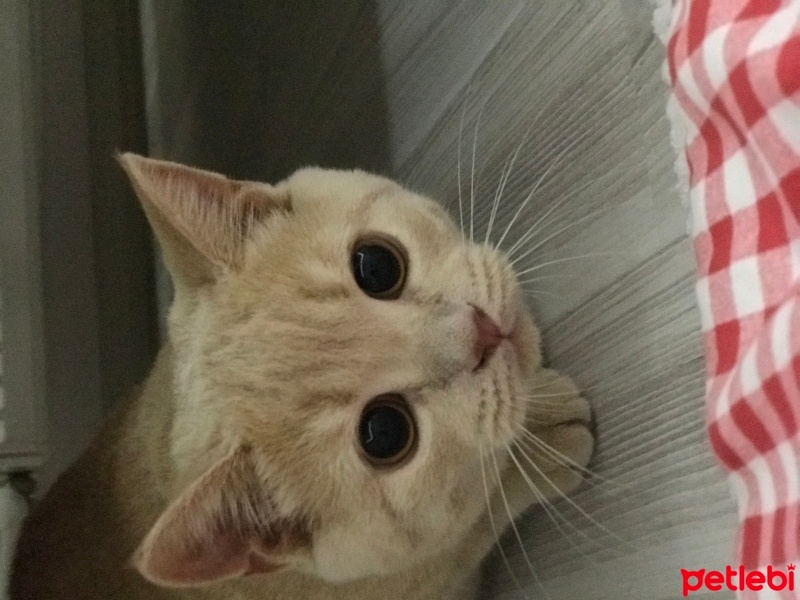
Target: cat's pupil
385 432
377 269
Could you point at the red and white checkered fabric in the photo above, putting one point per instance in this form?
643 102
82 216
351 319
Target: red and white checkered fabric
735 71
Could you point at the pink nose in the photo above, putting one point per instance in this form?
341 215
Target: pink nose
488 336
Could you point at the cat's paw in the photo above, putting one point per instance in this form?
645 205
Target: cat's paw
559 441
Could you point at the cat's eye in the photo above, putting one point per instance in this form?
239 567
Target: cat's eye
379 268
387 433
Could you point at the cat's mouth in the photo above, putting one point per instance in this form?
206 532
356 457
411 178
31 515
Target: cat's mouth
491 337
488 336
482 361
512 338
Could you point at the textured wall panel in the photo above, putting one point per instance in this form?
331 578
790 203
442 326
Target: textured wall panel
616 300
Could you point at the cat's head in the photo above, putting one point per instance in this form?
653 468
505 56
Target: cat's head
343 356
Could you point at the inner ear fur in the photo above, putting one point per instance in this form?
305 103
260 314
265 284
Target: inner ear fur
222 526
200 218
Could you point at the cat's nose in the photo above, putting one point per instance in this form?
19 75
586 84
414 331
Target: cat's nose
487 339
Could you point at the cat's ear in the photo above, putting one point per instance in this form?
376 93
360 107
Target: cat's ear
201 219
223 526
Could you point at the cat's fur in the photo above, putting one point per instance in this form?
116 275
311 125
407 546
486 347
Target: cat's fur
234 472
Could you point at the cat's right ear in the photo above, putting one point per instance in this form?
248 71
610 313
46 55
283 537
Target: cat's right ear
222 526
201 219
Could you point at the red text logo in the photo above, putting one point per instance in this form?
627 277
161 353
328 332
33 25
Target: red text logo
738 580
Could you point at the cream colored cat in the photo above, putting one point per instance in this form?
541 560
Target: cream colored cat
343 379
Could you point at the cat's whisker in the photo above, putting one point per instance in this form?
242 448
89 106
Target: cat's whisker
536 445
506 171
574 504
527 282
548 384
542 421
504 179
551 453
577 507
557 395
481 169
472 178
600 484
535 293
561 260
544 402
554 235
556 162
515 528
543 501
551 509
521 207
532 232
509 164
549 276
557 204
546 417
460 202
494 525
527 291
533 228
542 398
549 409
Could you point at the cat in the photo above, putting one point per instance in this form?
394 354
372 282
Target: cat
333 414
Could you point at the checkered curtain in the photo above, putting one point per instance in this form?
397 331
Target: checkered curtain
735 70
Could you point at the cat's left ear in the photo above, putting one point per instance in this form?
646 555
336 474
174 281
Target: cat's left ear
201 219
221 527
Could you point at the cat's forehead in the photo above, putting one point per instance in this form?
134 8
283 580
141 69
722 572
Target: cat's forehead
367 199
314 184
